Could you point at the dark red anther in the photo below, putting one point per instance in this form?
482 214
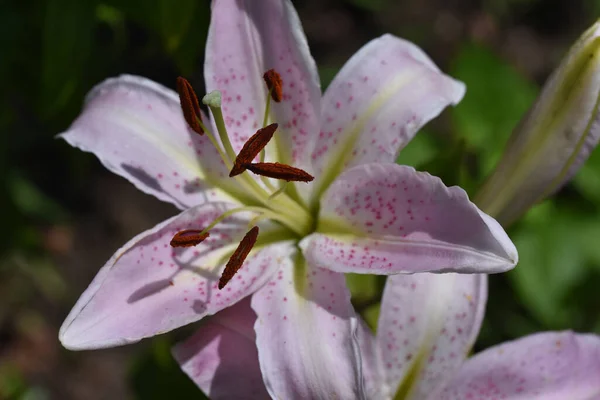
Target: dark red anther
239 255
188 238
189 105
251 148
280 171
274 84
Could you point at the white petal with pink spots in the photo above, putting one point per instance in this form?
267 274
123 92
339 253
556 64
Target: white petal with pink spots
136 128
427 325
148 287
247 38
383 95
544 366
306 333
387 218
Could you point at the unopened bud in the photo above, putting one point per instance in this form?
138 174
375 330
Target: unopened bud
553 139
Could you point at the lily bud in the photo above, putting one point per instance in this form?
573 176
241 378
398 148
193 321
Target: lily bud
553 139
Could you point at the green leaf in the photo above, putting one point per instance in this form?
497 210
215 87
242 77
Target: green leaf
496 99
66 43
192 42
453 165
180 26
175 21
556 245
587 179
419 151
327 74
32 202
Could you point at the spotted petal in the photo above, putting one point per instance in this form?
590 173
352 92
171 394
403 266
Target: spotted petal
387 219
376 386
148 288
247 38
544 366
223 350
306 333
136 128
427 325
383 95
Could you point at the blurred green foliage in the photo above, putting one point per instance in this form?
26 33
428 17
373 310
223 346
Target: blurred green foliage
54 51
497 97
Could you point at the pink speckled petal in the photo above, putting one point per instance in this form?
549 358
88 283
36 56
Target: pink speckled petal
376 385
388 219
383 95
544 366
136 128
148 287
427 325
223 350
306 334
247 38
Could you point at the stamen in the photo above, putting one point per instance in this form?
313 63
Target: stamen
189 105
238 257
188 238
252 147
280 171
274 84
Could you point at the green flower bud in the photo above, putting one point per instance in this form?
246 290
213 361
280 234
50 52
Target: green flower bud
553 139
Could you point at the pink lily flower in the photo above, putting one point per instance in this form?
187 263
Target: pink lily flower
362 213
427 326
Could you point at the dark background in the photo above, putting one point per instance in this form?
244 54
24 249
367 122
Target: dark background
63 215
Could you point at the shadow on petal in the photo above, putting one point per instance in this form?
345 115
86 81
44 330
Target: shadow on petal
149 289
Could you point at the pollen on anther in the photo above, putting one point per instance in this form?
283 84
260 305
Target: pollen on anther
280 171
188 238
254 145
274 84
239 256
189 105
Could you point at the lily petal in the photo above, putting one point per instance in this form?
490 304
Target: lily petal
148 287
544 366
383 95
376 386
306 334
388 219
247 38
136 128
222 350
428 324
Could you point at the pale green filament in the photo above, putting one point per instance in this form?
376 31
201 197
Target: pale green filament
264 213
267 109
278 191
256 220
